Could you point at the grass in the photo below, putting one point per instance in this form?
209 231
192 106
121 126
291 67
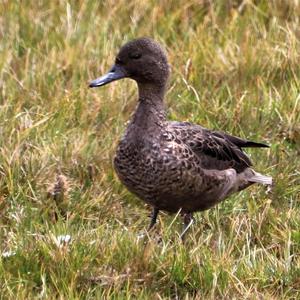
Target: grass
235 67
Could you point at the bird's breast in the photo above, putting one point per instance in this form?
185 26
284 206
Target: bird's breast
137 165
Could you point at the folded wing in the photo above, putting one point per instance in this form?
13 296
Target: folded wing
216 150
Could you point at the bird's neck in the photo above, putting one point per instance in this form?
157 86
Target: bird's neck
150 113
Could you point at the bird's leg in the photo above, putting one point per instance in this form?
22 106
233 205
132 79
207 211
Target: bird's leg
154 215
188 220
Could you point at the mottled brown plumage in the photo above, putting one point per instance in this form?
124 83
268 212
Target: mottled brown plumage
173 165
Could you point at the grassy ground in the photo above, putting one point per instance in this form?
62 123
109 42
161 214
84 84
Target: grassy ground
235 67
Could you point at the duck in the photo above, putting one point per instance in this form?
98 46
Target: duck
173 166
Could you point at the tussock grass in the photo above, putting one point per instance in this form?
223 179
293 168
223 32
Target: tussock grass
235 67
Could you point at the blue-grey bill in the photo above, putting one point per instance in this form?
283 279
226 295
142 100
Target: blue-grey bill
115 73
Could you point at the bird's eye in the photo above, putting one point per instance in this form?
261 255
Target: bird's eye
135 55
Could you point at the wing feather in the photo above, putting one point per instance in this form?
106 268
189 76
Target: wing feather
216 150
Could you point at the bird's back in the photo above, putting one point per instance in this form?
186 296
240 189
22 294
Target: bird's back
215 150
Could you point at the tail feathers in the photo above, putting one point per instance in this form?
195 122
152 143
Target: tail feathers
259 178
239 141
251 144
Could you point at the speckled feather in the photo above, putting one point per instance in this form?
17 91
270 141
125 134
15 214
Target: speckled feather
173 165
184 167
